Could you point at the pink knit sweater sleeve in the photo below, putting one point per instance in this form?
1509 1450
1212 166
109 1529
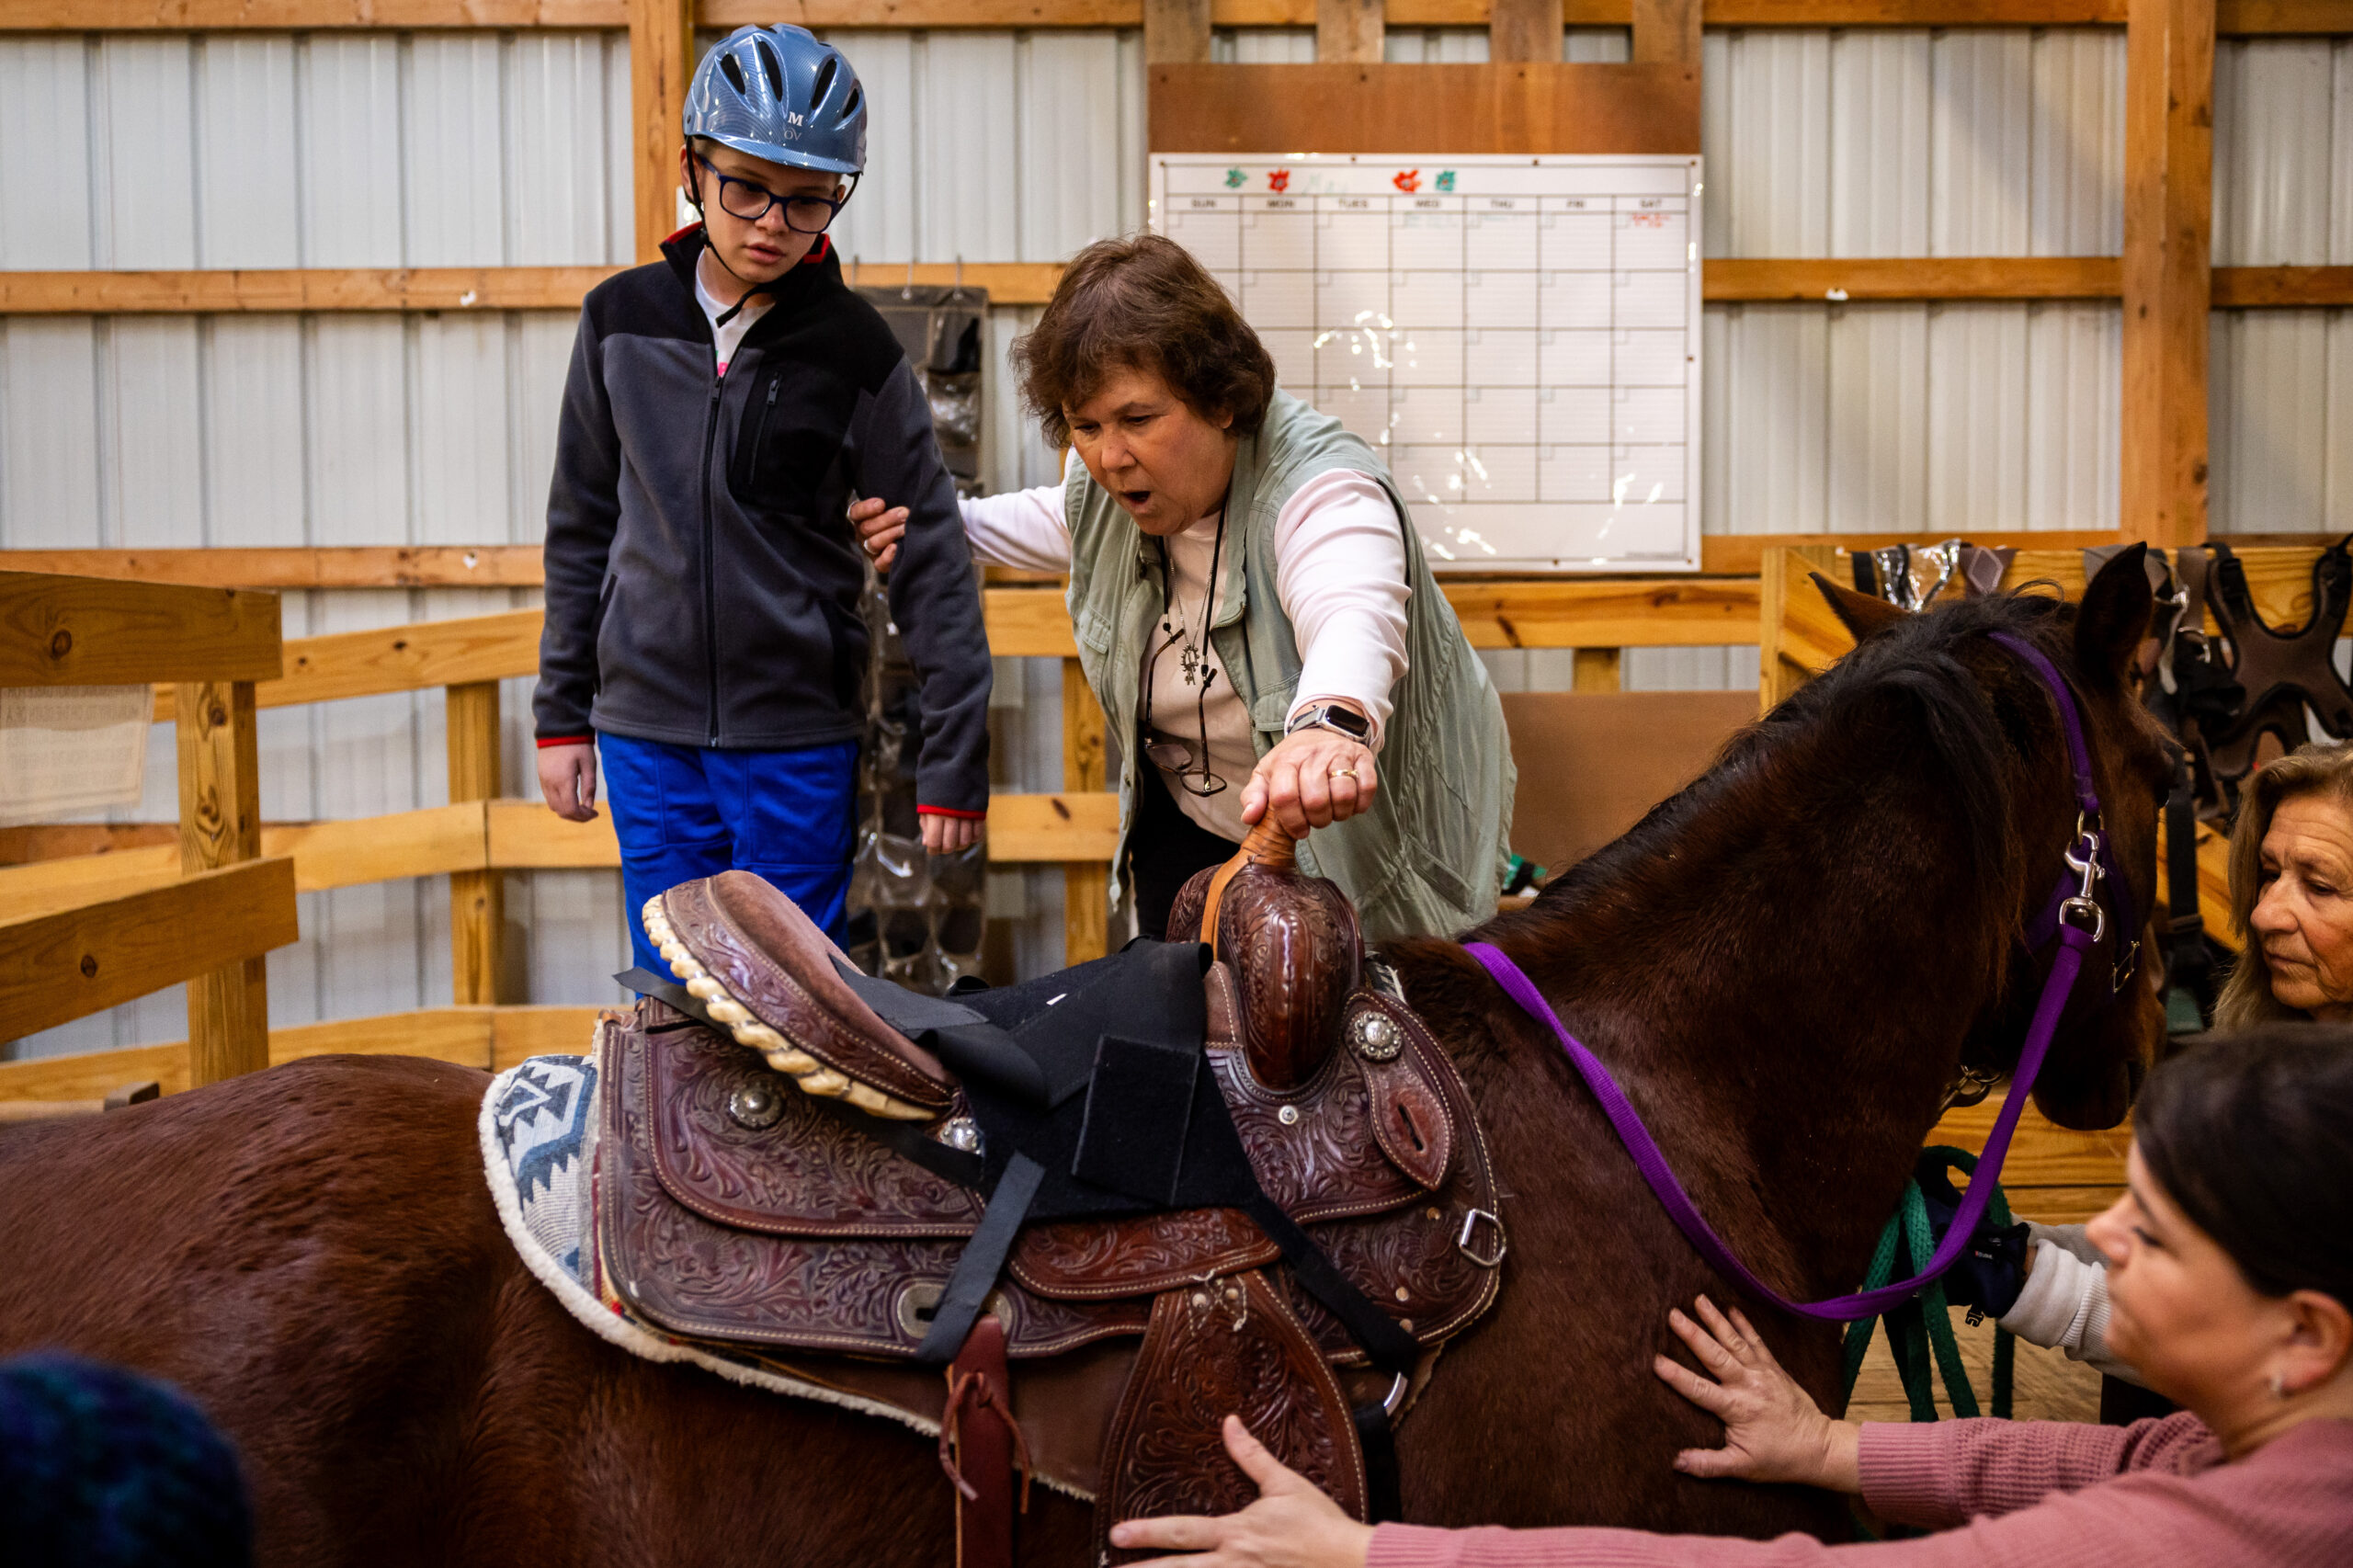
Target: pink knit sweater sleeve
2017 1495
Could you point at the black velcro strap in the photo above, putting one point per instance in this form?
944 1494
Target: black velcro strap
1384 1503
902 1138
1391 1348
981 1261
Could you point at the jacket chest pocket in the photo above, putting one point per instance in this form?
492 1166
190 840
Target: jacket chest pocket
787 441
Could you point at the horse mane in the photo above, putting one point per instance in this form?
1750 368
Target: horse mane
1916 675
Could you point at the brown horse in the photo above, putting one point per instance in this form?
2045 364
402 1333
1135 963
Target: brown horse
1785 965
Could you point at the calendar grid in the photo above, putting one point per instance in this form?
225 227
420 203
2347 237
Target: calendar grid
1519 338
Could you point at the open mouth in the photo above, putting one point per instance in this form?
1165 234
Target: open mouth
1136 499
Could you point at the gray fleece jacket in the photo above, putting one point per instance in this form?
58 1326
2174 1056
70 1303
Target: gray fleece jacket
702 579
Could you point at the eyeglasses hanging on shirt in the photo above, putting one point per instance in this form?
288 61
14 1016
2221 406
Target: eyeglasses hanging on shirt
1181 759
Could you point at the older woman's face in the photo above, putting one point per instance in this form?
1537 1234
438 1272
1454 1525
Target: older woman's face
2179 1309
1166 464
2304 906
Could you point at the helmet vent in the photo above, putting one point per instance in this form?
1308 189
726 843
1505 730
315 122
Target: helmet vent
731 68
825 80
772 66
850 109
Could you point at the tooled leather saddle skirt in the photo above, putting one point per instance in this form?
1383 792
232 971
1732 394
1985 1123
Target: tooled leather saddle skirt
783 1173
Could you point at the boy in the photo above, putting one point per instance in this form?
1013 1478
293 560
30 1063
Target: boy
702 583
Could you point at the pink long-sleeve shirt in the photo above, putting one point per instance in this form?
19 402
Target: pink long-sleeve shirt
2006 1494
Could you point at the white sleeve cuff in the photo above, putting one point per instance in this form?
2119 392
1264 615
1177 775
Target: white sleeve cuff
2065 1307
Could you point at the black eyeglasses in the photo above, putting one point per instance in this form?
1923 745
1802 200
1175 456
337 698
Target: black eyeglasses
802 214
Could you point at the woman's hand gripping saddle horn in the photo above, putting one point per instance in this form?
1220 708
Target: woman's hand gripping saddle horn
1289 945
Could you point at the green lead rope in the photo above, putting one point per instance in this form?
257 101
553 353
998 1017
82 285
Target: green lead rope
1922 1328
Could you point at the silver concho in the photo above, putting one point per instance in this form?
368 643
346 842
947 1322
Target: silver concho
1377 1037
961 1133
755 1105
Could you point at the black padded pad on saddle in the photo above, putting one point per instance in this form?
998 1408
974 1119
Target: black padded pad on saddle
1139 1106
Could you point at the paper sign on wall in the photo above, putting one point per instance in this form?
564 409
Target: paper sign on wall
1519 338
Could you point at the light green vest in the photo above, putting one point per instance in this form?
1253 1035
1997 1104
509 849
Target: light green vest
1428 859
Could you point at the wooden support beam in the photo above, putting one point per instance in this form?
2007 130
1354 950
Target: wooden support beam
88 631
1798 636
1667 32
2234 17
301 566
220 765
661 63
1839 280
1348 32
1575 613
1597 669
1523 30
477 899
1176 32
2261 288
1087 916
2169 254
59 966
206 289
1530 108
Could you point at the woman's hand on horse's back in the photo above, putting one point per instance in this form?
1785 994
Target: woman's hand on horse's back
1291 1525
1773 1430
879 526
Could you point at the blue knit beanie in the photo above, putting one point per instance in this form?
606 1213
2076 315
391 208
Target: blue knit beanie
103 1468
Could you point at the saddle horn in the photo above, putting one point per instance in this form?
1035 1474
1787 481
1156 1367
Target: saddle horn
1293 948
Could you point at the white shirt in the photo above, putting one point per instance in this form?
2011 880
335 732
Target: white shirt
725 340
1339 574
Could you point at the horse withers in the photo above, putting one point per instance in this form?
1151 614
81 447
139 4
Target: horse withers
1785 965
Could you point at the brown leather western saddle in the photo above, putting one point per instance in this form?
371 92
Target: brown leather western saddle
831 1232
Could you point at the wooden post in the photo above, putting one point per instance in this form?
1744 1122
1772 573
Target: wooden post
1524 29
477 899
660 60
1176 32
1798 635
1349 31
2168 267
1086 917
1597 669
228 1009
1667 32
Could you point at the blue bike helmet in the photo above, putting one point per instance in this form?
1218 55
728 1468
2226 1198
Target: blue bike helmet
780 94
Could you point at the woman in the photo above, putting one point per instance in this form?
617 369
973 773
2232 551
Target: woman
2230 1267
2292 898
1251 603
2291 892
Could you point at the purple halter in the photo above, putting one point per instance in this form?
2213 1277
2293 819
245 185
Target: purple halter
2074 915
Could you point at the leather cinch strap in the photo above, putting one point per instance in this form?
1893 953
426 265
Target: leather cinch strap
979 1444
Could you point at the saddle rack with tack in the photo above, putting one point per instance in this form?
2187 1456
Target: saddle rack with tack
1177 1182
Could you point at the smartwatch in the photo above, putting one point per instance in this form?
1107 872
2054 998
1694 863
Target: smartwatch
1332 716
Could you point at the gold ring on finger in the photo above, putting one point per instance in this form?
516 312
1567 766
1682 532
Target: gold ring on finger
1343 773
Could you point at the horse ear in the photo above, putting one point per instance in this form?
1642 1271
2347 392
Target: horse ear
1859 613
2114 615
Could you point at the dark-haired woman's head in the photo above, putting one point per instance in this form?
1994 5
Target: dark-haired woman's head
2230 1259
1142 364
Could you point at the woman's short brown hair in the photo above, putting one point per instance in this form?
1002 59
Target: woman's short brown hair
1142 303
2323 769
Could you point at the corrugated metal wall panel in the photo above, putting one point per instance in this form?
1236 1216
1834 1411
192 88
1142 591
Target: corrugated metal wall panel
151 433
2273 112
1877 427
1765 443
142 165
245 145
48 433
44 152
349 90
1434 46
1597 46
2074 416
253 428
1906 142
1977 417
2274 405
1263 46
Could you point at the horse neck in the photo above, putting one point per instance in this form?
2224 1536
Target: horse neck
1781 974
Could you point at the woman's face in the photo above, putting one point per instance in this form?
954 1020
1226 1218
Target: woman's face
2180 1311
2304 906
1159 458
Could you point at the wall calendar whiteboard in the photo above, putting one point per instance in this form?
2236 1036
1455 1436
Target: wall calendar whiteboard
1518 336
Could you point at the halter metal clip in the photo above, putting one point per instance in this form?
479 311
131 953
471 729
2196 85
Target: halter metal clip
2083 859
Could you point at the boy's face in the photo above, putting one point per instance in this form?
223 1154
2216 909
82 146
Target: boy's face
758 250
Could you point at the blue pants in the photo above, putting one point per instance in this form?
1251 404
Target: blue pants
686 812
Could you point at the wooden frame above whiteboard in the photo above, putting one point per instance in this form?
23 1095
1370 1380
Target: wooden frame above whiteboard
1530 108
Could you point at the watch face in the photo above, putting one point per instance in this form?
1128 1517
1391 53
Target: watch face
1343 720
